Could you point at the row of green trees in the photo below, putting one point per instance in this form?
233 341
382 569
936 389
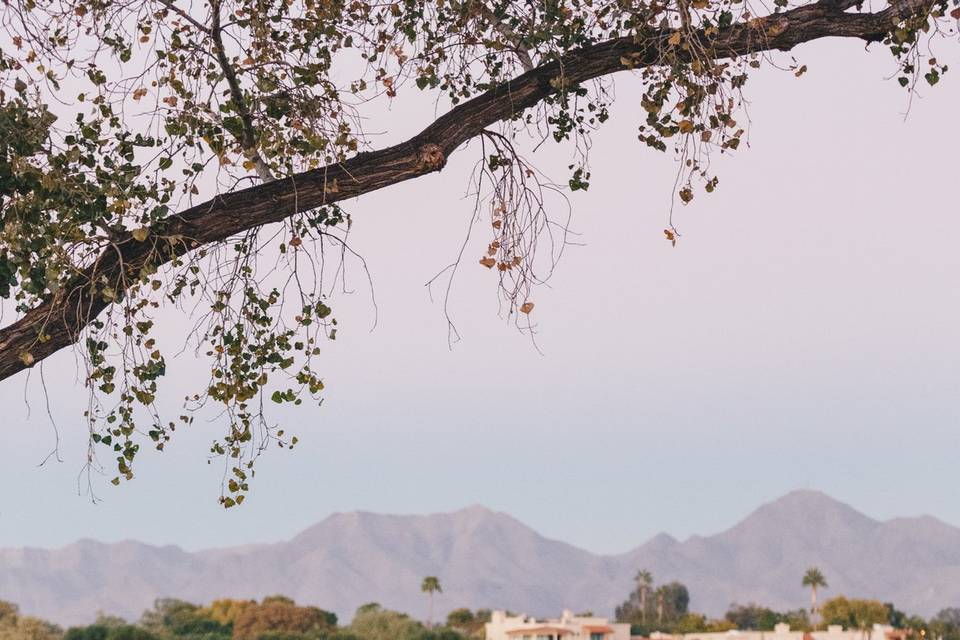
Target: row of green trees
651 607
851 613
273 618
648 608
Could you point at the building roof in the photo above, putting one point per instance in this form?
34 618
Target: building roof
597 628
541 629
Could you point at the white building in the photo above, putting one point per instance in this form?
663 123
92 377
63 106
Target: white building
566 627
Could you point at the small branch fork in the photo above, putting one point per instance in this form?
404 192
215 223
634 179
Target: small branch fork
248 138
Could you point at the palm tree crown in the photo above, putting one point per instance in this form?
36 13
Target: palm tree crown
814 578
430 584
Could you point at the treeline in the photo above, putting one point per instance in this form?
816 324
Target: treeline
665 608
850 613
273 618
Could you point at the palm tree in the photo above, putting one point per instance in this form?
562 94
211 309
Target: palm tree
430 585
644 580
814 579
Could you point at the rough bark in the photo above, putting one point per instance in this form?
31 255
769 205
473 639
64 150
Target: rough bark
57 322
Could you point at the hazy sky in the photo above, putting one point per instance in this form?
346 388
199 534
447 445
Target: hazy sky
803 333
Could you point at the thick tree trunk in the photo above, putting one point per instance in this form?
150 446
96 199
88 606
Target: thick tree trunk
58 322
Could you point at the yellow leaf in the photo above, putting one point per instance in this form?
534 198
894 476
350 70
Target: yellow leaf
249 164
27 358
140 234
674 40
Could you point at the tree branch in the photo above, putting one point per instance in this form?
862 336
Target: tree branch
500 25
186 16
57 322
248 137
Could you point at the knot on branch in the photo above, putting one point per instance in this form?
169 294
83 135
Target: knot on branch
772 26
430 157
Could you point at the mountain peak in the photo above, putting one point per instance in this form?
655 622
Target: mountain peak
808 515
475 509
663 540
808 504
810 498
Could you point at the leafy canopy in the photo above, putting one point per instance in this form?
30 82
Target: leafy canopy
814 578
123 121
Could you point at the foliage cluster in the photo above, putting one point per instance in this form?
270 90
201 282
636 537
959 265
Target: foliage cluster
468 623
14 626
279 618
759 618
651 607
116 118
273 618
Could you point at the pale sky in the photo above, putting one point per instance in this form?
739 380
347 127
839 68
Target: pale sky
803 334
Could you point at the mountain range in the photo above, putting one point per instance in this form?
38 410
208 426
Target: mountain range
489 559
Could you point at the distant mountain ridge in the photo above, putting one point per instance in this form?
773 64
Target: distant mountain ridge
489 559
